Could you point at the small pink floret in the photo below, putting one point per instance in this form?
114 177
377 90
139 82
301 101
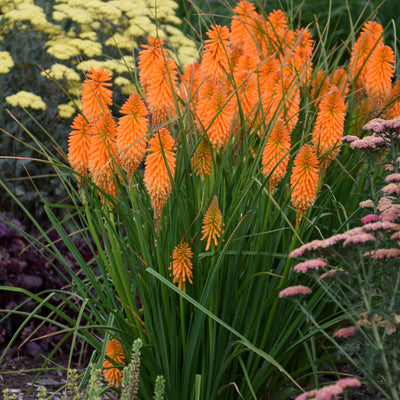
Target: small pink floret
346 332
370 218
348 382
295 291
366 204
359 238
315 263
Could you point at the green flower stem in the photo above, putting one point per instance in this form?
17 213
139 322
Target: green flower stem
183 325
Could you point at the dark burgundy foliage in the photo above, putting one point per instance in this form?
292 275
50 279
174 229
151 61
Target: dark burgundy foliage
24 266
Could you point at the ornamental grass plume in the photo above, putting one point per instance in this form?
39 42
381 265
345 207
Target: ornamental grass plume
217 52
275 157
103 152
212 224
111 372
96 97
329 126
79 145
304 179
159 166
182 265
379 74
131 134
202 159
161 90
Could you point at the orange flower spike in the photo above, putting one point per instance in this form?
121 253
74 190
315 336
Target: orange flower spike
147 57
191 80
319 86
216 53
277 28
131 134
340 79
245 27
393 110
96 97
112 374
379 74
161 90
202 159
212 224
220 115
275 157
103 150
161 153
329 126
371 34
304 179
79 145
182 265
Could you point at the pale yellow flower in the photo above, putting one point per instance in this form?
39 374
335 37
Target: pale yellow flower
6 62
121 41
66 110
61 71
26 99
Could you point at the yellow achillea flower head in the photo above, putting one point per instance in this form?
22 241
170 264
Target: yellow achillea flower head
6 62
212 224
182 265
79 145
112 374
202 159
329 126
275 157
156 177
131 134
304 179
103 150
96 97
26 99
216 53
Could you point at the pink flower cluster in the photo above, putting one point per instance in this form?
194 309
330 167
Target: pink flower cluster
314 263
295 291
330 392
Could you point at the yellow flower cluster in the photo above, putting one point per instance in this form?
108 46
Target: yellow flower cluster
94 28
26 99
6 62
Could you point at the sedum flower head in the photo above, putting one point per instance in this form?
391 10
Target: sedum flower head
115 352
304 179
298 290
182 265
212 224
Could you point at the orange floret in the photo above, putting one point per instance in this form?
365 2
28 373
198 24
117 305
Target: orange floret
160 163
182 265
371 34
304 179
131 134
245 28
329 126
96 97
275 157
216 53
379 74
212 224
191 80
103 150
147 57
393 110
202 159
115 352
161 90
79 145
